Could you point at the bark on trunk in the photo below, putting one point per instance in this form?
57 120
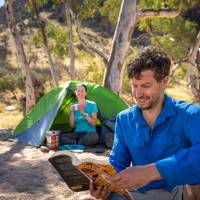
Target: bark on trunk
71 43
115 68
194 70
29 89
41 24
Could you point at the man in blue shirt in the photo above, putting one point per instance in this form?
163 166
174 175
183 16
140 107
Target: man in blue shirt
156 148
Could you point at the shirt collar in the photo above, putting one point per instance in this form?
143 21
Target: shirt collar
167 111
137 115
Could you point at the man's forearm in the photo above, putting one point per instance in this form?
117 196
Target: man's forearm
152 172
135 177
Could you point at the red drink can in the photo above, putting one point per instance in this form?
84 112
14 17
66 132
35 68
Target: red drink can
52 140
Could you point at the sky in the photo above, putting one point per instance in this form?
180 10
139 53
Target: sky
1 3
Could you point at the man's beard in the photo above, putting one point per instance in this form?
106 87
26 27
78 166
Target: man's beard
148 107
151 104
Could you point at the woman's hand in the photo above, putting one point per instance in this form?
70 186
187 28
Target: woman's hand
81 108
90 118
74 107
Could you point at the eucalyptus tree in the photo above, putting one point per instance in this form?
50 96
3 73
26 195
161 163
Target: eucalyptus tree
26 72
75 11
42 24
129 16
79 11
66 4
194 69
179 37
121 40
71 37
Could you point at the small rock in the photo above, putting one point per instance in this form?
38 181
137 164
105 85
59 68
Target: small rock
9 108
44 149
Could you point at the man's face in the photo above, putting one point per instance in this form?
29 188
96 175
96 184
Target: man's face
147 91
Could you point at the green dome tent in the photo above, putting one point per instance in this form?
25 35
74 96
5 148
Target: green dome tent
52 111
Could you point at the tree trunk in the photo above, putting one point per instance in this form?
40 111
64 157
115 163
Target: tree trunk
29 89
71 43
41 24
194 70
116 65
128 17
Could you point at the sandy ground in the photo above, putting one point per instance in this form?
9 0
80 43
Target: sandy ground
26 174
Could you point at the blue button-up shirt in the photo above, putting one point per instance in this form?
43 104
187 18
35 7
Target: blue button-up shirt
173 144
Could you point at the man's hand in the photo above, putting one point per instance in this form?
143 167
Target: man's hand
135 177
99 192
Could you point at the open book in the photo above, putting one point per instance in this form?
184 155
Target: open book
77 169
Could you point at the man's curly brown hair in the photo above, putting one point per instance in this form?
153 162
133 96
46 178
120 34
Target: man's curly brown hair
151 58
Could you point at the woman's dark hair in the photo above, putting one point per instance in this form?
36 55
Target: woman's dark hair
83 85
151 58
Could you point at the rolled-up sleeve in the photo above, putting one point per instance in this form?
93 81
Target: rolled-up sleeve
184 166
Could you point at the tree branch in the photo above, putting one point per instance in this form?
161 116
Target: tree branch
140 37
172 72
182 61
174 69
165 13
90 48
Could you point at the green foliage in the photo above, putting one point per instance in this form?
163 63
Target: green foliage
37 38
187 4
86 8
180 74
82 8
3 71
57 2
9 80
111 10
91 71
39 4
151 4
59 38
172 4
174 35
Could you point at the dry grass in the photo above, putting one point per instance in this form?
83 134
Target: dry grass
9 118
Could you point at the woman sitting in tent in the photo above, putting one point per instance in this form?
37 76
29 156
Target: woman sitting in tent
83 115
